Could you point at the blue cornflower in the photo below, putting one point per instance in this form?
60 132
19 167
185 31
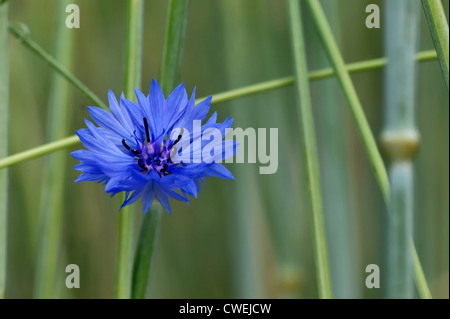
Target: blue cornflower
147 150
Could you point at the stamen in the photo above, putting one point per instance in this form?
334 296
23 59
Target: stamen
135 152
178 138
146 129
141 164
125 144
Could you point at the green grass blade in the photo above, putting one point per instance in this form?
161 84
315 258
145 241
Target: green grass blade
421 282
20 31
349 90
53 182
39 151
219 98
173 44
4 116
170 65
145 251
307 123
437 22
356 67
335 167
133 49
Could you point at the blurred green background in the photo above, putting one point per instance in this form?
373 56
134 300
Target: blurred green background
251 237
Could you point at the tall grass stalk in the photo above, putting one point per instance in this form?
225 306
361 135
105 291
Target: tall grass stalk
334 162
349 90
73 140
52 208
173 46
421 282
307 124
170 65
437 22
400 140
146 251
4 116
133 49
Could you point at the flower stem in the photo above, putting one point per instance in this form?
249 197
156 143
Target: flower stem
175 35
307 123
170 65
145 252
20 31
70 141
437 22
4 111
133 51
53 183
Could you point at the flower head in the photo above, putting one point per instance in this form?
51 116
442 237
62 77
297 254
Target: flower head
148 151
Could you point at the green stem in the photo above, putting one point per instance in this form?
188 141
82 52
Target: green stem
334 161
145 252
40 150
4 111
307 123
133 47
148 238
132 79
20 31
124 253
218 98
400 139
345 81
53 183
175 35
356 67
437 22
421 281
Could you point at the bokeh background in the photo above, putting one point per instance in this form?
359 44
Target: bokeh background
251 237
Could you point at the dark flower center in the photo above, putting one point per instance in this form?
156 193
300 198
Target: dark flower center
151 156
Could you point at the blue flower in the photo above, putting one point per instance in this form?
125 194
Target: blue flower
147 150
